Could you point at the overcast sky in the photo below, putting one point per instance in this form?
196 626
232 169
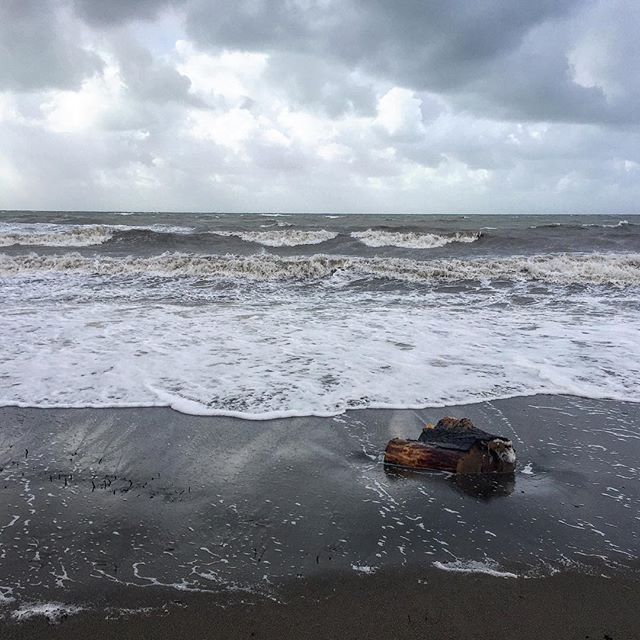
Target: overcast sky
320 105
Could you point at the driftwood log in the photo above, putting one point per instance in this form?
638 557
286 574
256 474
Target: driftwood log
453 445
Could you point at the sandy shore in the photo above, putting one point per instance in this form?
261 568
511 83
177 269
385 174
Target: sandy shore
150 523
428 604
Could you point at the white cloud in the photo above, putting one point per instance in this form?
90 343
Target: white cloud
7 107
399 113
335 152
232 75
230 128
11 180
307 128
78 111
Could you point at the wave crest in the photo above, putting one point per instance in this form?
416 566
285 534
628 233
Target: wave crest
65 235
281 237
411 240
620 223
575 225
53 235
602 269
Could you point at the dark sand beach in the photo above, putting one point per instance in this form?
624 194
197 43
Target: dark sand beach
151 523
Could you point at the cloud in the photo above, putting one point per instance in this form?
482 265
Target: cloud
39 47
147 77
400 114
517 59
112 12
320 105
317 83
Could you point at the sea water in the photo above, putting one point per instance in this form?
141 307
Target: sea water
262 316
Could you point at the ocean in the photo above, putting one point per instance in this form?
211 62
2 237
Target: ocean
276 315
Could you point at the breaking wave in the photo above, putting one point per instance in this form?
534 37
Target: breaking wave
620 223
53 235
281 237
61 235
411 240
575 225
599 269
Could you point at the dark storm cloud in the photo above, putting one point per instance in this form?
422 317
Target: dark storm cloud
148 78
36 51
497 54
536 82
509 58
444 45
314 81
504 58
110 12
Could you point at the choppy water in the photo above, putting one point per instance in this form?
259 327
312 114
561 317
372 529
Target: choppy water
272 315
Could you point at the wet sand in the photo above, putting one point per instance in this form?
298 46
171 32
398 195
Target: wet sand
398 605
158 524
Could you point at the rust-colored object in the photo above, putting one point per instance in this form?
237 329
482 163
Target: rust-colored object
453 445
414 454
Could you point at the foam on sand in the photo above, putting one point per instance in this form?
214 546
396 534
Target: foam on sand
52 611
363 568
473 566
6 595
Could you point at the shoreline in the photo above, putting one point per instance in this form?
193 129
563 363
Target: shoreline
407 604
294 413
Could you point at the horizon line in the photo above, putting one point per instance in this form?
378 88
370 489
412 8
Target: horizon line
319 213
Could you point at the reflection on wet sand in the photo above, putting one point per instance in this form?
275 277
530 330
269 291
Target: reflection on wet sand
484 486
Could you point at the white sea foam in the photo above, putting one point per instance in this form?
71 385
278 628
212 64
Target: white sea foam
363 568
52 611
589 269
314 354
411 240
569 225
282 237
620 223
6 595
71 235
473 566
53 235
156 228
